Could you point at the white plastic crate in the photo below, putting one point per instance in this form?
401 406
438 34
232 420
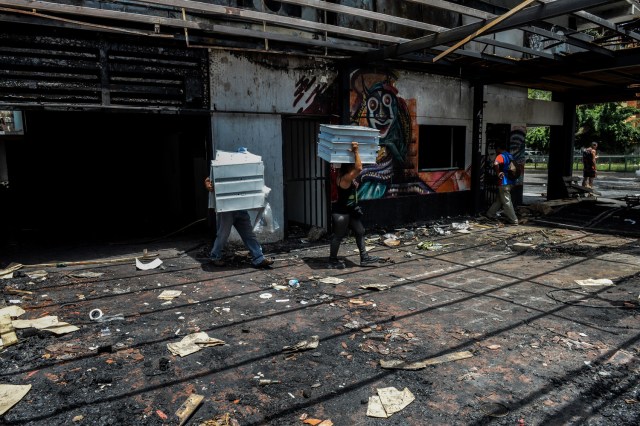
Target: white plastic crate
334 143
238 182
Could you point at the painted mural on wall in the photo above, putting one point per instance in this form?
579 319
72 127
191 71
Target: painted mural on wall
516 147
376 102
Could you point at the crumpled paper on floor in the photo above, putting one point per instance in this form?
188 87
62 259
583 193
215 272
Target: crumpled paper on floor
193 343
389 401
48 323
303 345
7 272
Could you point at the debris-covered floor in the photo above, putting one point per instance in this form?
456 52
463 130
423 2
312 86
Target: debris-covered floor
488 331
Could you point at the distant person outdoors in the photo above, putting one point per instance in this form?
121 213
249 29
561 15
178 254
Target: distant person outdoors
505 183
346 212
589 157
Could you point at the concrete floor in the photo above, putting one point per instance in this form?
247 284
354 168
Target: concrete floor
545 350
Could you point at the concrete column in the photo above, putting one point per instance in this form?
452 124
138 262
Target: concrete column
561 151
476 146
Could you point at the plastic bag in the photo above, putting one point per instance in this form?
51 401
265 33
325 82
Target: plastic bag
265 222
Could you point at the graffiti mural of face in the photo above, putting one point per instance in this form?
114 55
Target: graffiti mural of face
381 107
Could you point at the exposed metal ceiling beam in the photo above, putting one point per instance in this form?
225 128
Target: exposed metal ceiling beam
574 39
175 23
261 17
606 24
363 13
513 47
216 10
454 7
527 16
485 28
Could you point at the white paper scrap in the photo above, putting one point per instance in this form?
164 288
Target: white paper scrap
169 294
595 282
146 266
10 395
331 280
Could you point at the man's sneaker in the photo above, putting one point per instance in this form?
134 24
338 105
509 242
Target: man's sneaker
217 262
265 263
368 260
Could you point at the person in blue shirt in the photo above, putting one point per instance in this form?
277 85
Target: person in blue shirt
501 165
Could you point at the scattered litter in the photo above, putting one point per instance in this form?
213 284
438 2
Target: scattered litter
221 420
15 301
95 314
522 247
162 415
193 343
392 242
279 287
37 275
266 296
147 266
48 323
169 294
294 283
404 365
631 221
282 300
265 382
367 248
12 311
9 270
317 422
460 226
303 345
408 254
7 333
389 401
87 274
595 282
378 287
77 419
494 347
331 280
188 407
10 395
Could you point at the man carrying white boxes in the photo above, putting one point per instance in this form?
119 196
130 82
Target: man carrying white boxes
237 184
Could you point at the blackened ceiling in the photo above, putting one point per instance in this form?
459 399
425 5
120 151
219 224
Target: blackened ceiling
587 50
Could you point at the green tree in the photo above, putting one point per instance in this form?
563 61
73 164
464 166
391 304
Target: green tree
537 138
610 124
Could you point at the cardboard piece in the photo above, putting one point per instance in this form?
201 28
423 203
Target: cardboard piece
169 294
389 401
188 407
9 270
193 343
404 365
303 345
7 334
10 395
13 311
48 323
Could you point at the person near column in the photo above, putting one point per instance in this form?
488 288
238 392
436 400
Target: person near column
589 156
501 165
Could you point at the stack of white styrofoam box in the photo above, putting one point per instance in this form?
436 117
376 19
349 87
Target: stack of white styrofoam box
334 143
238 182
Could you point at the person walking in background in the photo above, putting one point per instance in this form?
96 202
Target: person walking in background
589 157
346 212
505 183
240 220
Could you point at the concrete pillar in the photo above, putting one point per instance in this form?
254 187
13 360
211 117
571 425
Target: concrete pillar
561 151
476 146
